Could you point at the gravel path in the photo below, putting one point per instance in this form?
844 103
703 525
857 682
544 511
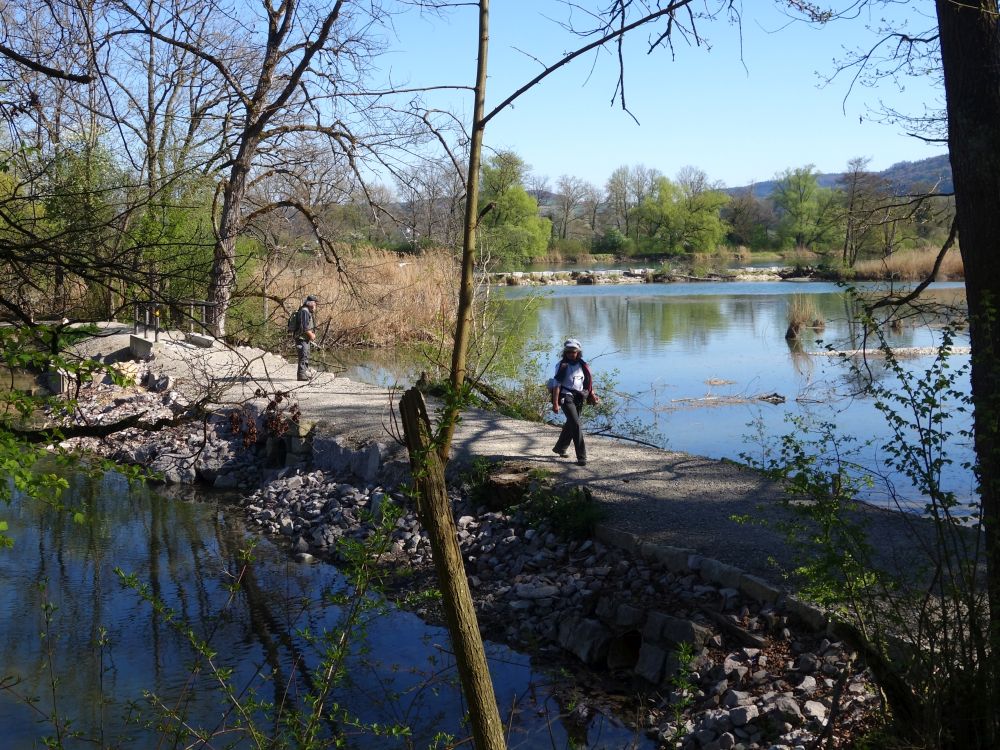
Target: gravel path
658 496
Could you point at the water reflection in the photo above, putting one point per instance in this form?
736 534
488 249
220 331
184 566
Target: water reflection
108 647
640 318
697 355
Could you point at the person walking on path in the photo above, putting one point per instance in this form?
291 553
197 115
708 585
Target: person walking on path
305 334
571 386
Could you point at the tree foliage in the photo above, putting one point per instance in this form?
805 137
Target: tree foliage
683 217
805 210
513 227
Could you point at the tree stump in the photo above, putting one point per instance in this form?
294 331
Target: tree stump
507 485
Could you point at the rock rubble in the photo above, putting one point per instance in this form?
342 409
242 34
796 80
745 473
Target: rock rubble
212 450
631 619
717 669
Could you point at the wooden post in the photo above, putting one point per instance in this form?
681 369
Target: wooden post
434 511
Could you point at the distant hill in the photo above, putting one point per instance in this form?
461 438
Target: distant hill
915 175
907 176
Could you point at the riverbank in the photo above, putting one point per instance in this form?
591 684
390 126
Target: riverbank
666 528
914 266
638 276
383 298
760 677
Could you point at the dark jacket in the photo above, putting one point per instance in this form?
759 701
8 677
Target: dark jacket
306 322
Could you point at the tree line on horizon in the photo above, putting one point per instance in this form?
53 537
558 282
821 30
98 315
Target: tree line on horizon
641 212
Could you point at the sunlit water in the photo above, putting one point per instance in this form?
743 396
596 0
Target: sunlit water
689 360
188 554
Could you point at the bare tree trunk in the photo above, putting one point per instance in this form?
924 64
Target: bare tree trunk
231 223
434 510
970 57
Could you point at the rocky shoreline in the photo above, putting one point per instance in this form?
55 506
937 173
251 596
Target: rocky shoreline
758 675
641 276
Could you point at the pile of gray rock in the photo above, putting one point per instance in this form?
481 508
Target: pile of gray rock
209 449
720 669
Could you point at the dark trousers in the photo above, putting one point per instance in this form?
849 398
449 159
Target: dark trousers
302 347
572 432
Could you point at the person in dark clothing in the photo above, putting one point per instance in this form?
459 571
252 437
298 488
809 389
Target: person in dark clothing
305 334
571 386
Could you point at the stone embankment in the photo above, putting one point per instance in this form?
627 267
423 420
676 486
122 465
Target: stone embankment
634 276
759 675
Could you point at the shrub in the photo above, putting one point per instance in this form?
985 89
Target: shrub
923 624
613 241
569 248
570 512
802 313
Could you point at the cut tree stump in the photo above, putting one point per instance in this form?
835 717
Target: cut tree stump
507 485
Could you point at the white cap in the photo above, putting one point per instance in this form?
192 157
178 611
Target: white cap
572 344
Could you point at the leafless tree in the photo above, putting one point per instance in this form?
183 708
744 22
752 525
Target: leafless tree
431 195
295 71
591 205
570 194
751 219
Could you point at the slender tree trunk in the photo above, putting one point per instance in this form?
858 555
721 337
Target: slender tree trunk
434 509
428 459
970 54
223 276
463 328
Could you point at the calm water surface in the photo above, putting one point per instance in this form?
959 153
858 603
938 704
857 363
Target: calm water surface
188 553
692 357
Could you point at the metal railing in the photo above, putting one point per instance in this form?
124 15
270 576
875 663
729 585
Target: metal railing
157 316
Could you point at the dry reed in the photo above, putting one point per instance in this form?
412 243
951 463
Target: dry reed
802 313
911 265
381 298
800 257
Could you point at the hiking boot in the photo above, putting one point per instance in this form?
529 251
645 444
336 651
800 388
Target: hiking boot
560 453
582 461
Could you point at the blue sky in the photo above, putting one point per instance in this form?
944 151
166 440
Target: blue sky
737 119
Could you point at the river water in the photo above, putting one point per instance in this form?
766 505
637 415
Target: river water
107 647
687 362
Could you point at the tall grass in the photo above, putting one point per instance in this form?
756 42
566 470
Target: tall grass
379 299
801 258
911 265
802 314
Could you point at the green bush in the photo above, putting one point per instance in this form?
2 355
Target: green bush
614 242
569 248
570 512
